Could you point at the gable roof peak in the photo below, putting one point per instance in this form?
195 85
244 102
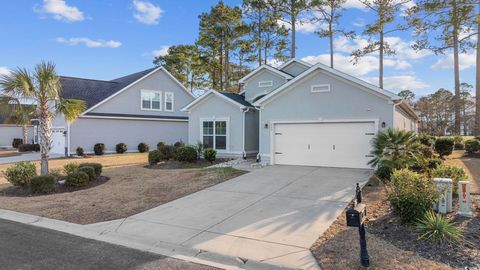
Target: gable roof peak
294 60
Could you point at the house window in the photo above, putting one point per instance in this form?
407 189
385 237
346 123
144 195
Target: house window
320 88
215 134
265 84
169 101
151 100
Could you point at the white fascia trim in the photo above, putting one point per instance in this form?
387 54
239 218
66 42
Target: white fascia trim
267 67
386 94
295 60
204 96
133 118
134 83
407 108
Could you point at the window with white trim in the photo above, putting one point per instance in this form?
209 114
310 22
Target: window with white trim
169 101
215 134
320 88
151 100
265 84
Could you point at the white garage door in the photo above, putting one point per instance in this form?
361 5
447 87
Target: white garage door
58 141
324 144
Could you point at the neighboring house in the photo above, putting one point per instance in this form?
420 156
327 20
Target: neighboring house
140 107
298 114
8 132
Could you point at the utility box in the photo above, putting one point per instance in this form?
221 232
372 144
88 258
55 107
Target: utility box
356 215
445 186
464 199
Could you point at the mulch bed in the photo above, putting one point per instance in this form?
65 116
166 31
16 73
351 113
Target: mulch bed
173 164
14 191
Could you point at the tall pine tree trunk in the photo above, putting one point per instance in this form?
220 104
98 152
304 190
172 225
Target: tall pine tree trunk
259 37
293 22
456 68
477 78
331 43
380 59
45 136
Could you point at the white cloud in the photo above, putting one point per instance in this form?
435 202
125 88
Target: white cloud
4 71
146 12
359 22
343 62
89 43
161 52
61 11
354 4
466 60
400 82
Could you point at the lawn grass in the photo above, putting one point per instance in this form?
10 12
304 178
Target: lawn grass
130 190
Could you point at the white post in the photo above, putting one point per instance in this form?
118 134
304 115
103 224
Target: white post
444 204
464 199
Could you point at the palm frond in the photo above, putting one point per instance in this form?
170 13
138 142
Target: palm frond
70 108
48 81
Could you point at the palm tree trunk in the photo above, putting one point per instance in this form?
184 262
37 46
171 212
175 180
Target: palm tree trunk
25 133
477 79
380 68
45 136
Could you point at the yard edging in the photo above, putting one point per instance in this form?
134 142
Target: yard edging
165 249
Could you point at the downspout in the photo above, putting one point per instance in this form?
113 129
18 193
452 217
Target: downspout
259 156
68 139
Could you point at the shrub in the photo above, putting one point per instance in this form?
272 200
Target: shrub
28 148
56 173
90 171
199 147
79 151
433 163
472 146
99 149
453 172
42 184
383 173
426 151
186 154
458 139
77 179
20 173
459 146
121 148
178 144
160 145
444 146
97 166
426 140
411 194
210 154
168 151
155 157
142 147
70 168
438 229
17 142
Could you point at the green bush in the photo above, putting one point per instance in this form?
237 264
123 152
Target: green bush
210 154
160 145
70 168
155 157
121 148
438 229
199 147
433 163
426 151
99 149
458 139
56 173
42 184
472 146
80 151
97 166
426 140
17 142
453 172
186 154
77 179
384 173
90 171
411 194
444 146
167 151
142 147
20 173
28 148
459 146
178 144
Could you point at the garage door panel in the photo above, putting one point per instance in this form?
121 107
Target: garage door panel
323 144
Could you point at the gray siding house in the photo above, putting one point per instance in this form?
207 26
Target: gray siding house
140 107
305 115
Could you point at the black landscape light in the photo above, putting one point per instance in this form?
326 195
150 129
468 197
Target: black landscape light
356 218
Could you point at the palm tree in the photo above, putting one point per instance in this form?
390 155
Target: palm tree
44 88
17 113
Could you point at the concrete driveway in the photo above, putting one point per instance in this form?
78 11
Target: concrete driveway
271 215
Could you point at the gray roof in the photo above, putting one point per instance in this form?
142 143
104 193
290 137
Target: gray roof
238 98
95 91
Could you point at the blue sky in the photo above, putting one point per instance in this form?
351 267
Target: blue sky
105 39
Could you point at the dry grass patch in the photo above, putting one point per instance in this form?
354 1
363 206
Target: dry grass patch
130 190
471 165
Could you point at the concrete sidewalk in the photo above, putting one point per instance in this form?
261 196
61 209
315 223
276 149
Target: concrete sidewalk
272 215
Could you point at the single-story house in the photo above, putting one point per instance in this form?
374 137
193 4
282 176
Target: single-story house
298 114
10 131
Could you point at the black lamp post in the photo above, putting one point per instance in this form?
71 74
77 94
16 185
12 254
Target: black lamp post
356 218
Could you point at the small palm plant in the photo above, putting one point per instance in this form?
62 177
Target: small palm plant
394 149
17 113
44 88
438 229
